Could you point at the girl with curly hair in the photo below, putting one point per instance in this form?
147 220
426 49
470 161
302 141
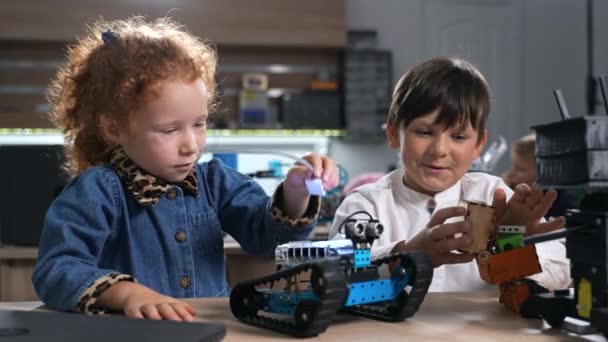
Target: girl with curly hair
141 222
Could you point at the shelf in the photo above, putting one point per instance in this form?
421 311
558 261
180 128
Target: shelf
218 140
263 132
17 252
316 23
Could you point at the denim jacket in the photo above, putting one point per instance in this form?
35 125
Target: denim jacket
96 228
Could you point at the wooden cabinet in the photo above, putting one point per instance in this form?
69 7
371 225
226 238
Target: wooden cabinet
241 267
17 264
317 23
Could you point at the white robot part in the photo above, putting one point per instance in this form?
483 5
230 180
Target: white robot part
512 229
315 187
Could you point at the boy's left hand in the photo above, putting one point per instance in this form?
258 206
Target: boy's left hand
526 207
295 193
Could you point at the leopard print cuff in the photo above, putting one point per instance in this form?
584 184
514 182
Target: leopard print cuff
278 214
87 302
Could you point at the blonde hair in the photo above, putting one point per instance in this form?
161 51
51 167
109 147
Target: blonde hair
115 75
525 147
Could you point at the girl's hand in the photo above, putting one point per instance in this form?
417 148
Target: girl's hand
295 193
159 307
438 239
139 301
526 207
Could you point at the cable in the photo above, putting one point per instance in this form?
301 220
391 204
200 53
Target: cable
314 185
348 219
297 159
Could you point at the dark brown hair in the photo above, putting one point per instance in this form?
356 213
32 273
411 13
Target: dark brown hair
452 86
116 77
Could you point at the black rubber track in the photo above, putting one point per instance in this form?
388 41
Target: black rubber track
245 300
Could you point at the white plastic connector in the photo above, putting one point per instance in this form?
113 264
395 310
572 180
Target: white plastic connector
315 187
511 229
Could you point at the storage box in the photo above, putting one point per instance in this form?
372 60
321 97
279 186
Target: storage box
572 152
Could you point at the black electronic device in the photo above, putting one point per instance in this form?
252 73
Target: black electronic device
311 110
30 179
573 153
366 93
25 326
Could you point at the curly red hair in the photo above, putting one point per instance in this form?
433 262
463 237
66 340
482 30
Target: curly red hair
115 78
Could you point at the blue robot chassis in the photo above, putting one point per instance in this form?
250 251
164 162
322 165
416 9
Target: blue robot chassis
315 280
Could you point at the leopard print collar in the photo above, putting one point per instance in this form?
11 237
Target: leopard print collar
146 188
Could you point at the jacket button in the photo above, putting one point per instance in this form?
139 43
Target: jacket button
180 236
171 194
184 282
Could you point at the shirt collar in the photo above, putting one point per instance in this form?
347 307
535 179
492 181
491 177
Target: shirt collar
145 187
447 197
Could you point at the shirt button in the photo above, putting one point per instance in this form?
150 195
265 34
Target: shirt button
180 236
184 282
431 205
171 194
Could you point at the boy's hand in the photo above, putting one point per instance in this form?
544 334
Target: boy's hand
139 301
526 207
438 239
295 193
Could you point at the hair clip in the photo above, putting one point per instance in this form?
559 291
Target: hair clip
109 36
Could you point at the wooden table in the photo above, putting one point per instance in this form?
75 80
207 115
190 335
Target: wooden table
442 317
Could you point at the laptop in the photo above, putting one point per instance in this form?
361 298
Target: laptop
25 326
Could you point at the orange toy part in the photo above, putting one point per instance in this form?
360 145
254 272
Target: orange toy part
324 85
508 266
513 294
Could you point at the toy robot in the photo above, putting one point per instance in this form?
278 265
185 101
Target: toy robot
573 153
500 258
324 277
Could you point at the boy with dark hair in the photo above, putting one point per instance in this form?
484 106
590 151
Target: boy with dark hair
437 121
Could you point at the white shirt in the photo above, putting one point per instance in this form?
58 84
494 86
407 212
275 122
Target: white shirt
403 212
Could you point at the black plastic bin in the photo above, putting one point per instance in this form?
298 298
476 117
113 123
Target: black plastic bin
572 151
